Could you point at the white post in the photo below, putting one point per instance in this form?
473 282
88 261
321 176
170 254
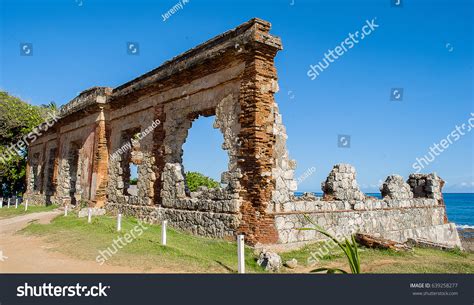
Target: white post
89 215
16 203
65 209
119 222
1 203
8 202
241 253
163 232
26 205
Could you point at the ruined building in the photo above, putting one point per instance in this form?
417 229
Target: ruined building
85 157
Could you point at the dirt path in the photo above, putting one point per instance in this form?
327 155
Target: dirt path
30 254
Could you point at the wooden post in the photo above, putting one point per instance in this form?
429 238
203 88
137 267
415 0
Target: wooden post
119 222
65 209
163 232
241 253
16 203
89 215
26 205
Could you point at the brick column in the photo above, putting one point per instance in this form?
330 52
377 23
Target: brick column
100 164
54 183
159 153
256 156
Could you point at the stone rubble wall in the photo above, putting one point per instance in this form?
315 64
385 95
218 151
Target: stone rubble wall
398 216
76 146
396 188
426 185
397 224
341 184
210 224
209 212
284 169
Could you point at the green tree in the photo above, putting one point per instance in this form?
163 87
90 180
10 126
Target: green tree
17 119
195 180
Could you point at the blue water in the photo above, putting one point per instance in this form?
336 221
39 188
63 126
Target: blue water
459 206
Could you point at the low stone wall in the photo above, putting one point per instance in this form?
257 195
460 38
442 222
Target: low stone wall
412 209
375 217
203 223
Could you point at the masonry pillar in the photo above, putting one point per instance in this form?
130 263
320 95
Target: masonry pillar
159 153
256 155
100 164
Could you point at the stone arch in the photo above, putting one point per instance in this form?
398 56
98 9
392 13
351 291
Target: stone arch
226 111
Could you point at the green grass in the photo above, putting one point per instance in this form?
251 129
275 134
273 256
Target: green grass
420 260
11 212
183 253
187 253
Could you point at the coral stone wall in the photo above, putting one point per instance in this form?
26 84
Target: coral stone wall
344 210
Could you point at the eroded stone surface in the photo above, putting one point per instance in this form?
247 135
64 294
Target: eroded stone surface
395 187
426 185
341 184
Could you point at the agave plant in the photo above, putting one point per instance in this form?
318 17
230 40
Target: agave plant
349 248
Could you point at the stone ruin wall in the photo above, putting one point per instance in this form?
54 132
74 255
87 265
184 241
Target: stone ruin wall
63 159
231 77
412 209
206 212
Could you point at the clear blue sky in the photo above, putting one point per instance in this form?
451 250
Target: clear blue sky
425 47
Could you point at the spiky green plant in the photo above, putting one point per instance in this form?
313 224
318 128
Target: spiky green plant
349 248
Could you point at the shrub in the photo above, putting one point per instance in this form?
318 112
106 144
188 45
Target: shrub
195 180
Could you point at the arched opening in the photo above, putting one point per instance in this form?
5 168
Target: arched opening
203 154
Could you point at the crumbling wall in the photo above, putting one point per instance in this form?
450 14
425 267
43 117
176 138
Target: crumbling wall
341 184
343 210
75 161
426 185
206 212
231 77
284 168
68 153
395 187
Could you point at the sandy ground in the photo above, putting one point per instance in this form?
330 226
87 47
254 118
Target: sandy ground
29 254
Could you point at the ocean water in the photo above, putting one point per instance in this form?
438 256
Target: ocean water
459 206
